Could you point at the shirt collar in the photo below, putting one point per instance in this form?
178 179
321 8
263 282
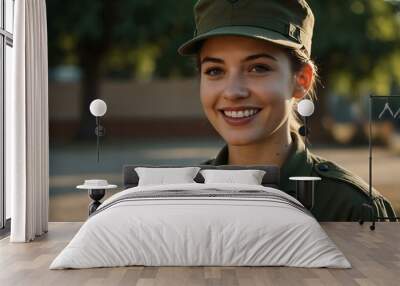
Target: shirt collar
222 156
297 163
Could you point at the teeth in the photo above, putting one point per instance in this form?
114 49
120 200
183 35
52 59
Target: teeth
241 113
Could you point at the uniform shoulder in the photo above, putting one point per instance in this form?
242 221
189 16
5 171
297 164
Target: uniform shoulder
328 169
352 186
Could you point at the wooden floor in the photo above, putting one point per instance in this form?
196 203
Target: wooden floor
374 255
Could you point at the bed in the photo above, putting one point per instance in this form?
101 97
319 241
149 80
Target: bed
201 224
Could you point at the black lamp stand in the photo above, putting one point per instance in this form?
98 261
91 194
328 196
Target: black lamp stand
99 131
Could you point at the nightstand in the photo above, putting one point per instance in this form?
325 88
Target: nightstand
305 187
96 190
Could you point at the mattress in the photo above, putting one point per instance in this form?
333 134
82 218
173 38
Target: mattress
195 224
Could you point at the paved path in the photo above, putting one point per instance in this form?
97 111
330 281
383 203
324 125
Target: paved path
71 165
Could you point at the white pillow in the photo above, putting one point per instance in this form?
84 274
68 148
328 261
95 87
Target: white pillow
249 177
160 176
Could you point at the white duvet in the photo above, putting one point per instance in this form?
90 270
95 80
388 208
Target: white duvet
190 230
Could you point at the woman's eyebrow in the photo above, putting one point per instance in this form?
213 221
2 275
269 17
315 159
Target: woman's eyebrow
213 60
249 58
262 55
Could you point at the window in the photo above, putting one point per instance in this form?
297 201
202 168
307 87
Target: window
6 62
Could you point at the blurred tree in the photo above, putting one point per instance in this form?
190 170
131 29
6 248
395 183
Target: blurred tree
356 44
139 37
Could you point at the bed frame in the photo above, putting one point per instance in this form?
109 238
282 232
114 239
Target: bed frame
270 179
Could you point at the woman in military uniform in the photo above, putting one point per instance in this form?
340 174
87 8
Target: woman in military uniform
254 63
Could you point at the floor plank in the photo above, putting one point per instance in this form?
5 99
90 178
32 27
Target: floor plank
374 255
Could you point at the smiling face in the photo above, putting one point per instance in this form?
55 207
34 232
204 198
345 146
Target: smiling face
244 73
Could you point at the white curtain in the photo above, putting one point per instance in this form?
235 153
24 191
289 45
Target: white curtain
27 148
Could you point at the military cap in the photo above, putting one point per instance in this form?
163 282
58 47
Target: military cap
285 22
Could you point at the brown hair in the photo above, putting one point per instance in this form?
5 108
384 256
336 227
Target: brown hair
297 59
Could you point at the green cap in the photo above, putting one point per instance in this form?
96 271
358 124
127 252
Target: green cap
285 22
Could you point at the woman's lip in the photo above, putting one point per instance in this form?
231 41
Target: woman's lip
238 121
242 108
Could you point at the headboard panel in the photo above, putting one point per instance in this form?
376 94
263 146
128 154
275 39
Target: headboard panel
270 179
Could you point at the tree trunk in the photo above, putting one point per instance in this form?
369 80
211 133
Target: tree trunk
90 63
91 52
318 131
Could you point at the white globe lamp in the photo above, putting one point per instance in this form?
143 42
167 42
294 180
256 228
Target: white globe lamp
98 107
305 107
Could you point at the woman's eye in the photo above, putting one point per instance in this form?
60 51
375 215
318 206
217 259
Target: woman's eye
213 71
260 68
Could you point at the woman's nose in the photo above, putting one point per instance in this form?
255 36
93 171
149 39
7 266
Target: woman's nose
235 88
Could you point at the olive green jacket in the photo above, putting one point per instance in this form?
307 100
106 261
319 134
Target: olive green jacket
338 196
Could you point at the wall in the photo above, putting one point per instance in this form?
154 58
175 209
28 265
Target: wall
156 108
